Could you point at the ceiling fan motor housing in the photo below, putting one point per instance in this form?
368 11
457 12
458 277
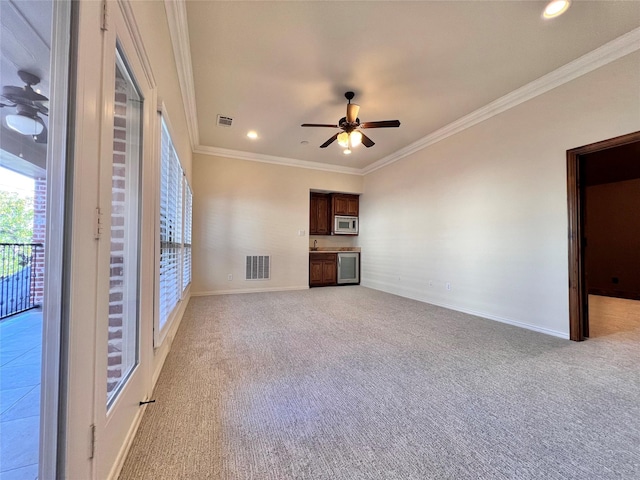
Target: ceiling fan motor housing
28 104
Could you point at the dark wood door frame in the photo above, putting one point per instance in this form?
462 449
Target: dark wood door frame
578 314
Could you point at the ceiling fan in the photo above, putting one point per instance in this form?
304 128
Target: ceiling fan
28 104
351 136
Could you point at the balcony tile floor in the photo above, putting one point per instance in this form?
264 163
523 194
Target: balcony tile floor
20 364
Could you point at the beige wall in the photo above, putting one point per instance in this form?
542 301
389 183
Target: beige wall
151 18
245 208
486 209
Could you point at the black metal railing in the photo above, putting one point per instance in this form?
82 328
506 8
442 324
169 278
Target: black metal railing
17 277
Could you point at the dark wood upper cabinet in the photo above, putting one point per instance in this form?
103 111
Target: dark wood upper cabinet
324 206
344 204
320 214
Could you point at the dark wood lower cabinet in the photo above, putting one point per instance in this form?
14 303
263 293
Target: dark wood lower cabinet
323 269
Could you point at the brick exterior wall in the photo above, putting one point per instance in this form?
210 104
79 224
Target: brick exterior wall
39 236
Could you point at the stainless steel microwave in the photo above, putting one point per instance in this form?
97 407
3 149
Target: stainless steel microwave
345 225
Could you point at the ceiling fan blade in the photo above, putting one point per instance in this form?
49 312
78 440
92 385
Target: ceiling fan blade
318 125
352 112
366 141
24 94
381 124
42 107
43 137
329 142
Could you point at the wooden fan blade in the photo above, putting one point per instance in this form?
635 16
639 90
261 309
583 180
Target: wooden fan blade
366 141
352 112
329 142
381 124
318 125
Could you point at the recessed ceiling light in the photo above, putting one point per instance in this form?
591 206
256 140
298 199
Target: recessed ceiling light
347 152
556 8
252 135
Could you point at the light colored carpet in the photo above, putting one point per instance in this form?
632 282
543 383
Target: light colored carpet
350 383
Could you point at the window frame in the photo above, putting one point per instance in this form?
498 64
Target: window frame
161 329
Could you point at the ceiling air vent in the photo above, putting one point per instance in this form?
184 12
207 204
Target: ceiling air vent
223 121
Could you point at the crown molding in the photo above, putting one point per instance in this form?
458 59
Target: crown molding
178 27
289 162
179 31
607 53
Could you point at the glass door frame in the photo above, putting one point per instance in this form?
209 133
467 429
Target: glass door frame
116 421
54 329
97 438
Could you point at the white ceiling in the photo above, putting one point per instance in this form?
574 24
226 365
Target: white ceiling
273 65
25 41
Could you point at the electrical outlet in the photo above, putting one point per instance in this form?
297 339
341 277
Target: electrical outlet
448 286
230 277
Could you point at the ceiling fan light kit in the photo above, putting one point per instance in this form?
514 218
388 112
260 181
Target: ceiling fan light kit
355 138
343 139
28 104
350 136
25 124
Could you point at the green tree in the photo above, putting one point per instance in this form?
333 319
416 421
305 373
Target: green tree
16 218
16 226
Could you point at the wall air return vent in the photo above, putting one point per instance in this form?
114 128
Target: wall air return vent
258 267
223 121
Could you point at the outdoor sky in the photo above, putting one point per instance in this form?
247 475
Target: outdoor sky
14 182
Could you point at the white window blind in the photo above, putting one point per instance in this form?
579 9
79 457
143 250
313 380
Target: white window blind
171 222
188 206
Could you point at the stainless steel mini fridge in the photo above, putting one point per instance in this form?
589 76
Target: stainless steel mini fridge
348 267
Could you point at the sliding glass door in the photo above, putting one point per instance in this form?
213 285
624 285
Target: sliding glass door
34 66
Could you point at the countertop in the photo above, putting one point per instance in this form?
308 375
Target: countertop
334 249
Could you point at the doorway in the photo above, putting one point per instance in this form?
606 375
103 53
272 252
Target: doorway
587 166
34 69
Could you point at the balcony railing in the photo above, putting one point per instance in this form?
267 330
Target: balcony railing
17 277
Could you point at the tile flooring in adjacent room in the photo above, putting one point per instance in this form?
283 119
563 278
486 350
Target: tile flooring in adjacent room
20 364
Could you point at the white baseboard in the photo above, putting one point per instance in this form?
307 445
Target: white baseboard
508 321
126 445
159 357
402 292
248 290
160 353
